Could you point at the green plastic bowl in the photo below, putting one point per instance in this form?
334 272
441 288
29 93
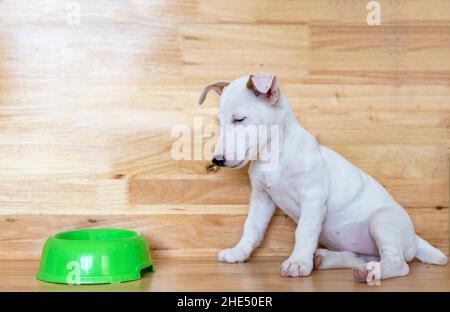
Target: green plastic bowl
94 256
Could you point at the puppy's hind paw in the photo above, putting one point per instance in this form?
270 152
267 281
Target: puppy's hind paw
319 257
295 268
317 262
232 255
360 274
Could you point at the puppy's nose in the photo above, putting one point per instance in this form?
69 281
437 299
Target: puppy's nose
218 160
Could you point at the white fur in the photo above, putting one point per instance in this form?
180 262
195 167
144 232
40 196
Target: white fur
332 201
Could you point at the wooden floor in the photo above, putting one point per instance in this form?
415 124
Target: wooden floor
204 274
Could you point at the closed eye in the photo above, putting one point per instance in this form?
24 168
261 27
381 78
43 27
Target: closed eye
238 120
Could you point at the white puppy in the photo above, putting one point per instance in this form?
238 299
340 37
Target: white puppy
332 201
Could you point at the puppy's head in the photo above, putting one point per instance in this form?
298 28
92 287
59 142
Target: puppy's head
247 110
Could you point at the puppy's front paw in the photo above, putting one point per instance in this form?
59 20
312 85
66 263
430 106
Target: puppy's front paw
296 267
232 255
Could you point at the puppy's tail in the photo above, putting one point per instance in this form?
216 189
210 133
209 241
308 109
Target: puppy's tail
428 254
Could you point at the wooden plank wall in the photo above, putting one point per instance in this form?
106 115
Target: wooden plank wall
86 111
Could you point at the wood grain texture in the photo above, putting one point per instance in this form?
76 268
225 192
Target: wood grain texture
184 233
86 112
200 274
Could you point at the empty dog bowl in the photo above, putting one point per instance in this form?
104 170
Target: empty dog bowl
94 256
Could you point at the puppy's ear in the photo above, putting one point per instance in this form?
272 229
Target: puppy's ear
216 86
264 86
